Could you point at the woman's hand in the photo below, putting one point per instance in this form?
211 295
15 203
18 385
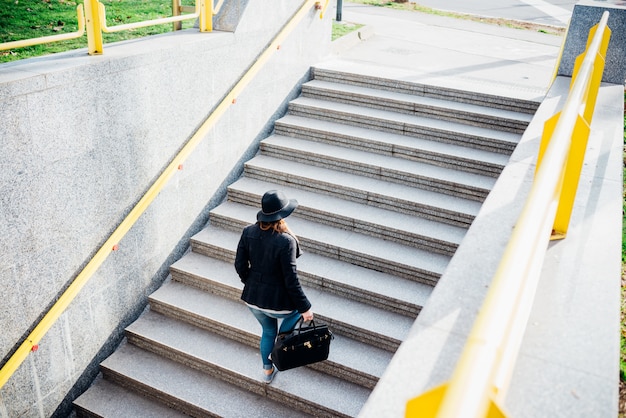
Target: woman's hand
308 315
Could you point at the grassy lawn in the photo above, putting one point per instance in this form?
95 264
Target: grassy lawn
416 7
343 28
24 19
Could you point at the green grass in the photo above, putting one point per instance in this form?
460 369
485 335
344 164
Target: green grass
24 19
416 7
343 28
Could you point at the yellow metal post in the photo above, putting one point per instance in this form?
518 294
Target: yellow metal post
594 87
482 375
548 130
598 69
206 15
94 29
428 404
580 134
176 12
318 6
571 179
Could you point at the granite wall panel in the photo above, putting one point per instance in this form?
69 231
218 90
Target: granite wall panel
82 138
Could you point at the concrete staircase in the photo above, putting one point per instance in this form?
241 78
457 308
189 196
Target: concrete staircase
389 175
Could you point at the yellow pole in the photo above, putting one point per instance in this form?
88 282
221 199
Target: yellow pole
481 376
206 15
94 29
176 12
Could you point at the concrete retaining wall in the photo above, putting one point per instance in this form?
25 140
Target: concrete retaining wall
586 14
82 138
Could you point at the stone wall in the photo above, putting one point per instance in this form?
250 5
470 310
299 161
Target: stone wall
586 14
83 137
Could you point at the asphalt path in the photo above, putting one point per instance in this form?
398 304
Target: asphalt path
545 12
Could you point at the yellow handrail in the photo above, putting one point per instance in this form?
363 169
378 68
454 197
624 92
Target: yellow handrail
32 340
177 8
96 21
144 23
80 12
479 383
218 7
95 24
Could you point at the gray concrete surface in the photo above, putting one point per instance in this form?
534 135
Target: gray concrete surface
581 272
460 53
568 362
82 138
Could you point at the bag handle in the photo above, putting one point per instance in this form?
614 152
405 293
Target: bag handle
301 322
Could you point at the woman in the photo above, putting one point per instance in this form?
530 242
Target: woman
266 263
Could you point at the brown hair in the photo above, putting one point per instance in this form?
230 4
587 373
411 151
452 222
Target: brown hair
278 226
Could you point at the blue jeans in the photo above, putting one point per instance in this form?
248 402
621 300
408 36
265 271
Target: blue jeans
269 323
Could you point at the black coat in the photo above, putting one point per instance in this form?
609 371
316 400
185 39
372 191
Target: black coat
266 264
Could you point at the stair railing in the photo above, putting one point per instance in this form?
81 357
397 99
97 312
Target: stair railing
178 9
96 21
481 378
92 16
80 12
31 342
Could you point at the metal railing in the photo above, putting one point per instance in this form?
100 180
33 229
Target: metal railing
481 378
92 17
178 9
80 12
31 342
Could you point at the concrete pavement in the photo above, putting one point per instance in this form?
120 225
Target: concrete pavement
451 51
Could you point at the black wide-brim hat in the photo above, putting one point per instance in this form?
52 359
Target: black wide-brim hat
275 206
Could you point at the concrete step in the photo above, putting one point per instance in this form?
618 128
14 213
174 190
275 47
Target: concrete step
352 216
388 179
386 168
302 389
461 158
410 125
340 276
229 317
381 290
437 108
187 387
363 250
354 319
106 399
369 76
397 197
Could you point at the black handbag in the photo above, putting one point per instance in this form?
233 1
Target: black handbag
304 345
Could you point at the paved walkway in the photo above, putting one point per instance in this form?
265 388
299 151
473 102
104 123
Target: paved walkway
449 50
